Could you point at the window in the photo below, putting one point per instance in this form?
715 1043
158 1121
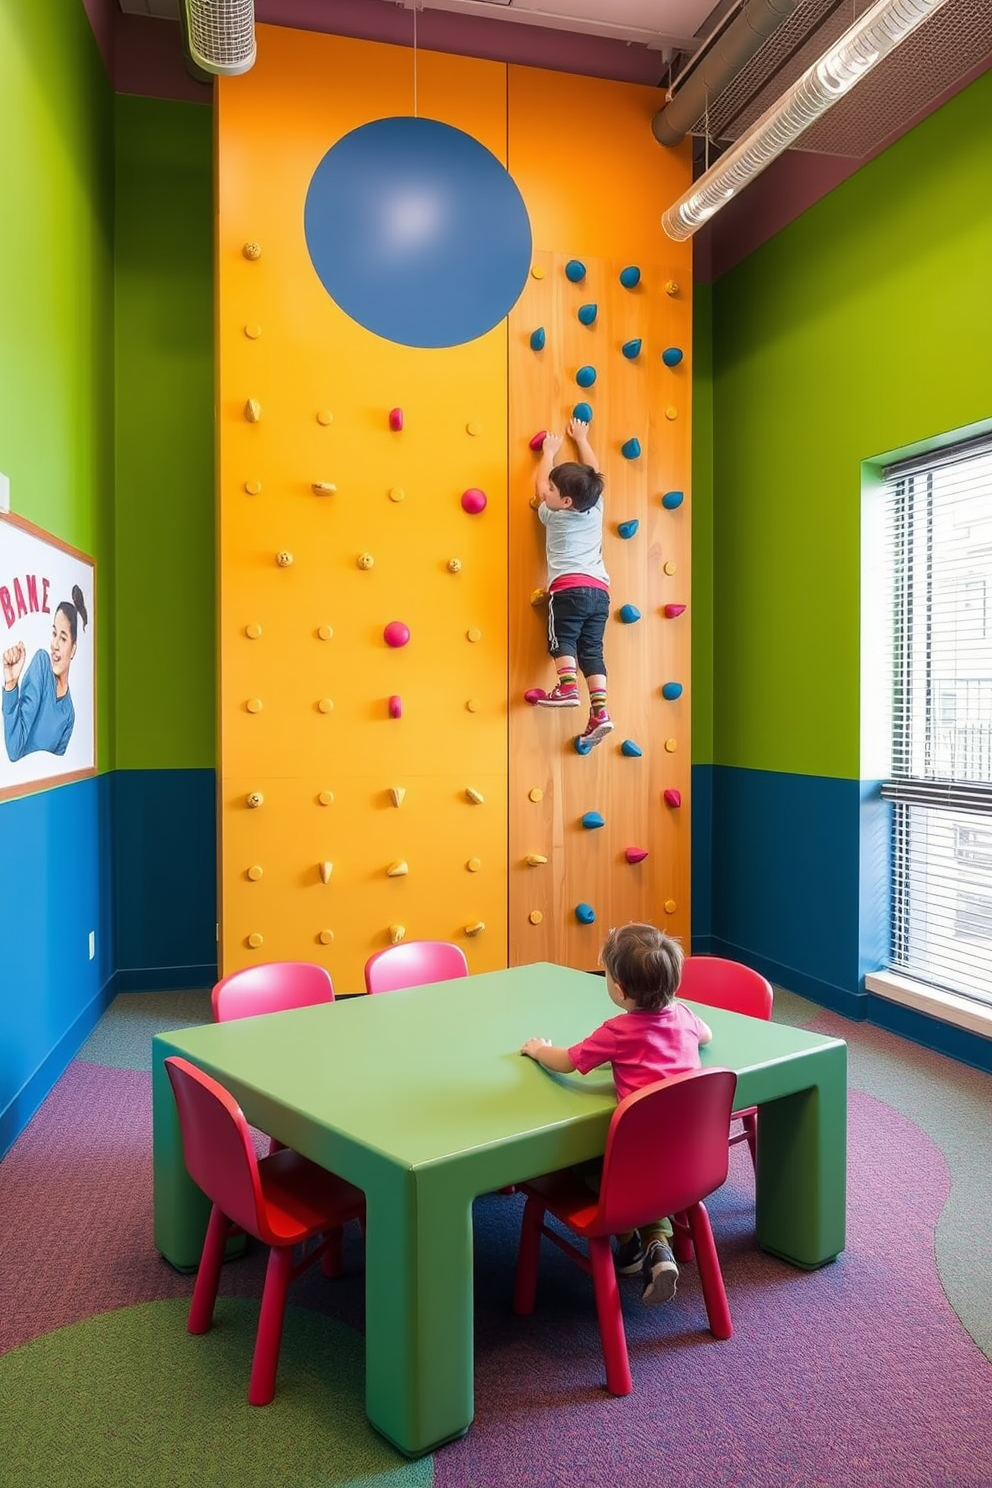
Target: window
938 535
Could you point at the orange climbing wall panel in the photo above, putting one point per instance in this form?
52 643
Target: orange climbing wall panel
283 342
596 183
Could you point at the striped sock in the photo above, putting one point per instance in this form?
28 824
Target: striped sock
568 679
597 701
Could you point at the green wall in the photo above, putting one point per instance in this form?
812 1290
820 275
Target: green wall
165 437
864 326
56 294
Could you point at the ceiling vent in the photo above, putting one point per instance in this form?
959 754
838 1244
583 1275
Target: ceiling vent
219 35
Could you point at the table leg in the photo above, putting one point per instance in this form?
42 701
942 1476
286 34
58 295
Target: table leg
419 1309
802 1164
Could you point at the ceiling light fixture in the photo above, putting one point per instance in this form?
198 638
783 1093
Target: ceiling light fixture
879 31
219 35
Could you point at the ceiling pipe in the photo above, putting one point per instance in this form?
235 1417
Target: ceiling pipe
757 20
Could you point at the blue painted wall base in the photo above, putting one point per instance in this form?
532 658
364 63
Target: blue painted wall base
127 857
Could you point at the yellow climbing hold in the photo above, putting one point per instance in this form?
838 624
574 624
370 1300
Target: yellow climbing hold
398 869
536 794
396 794
475 796
534 860
255 872
396 934
535 917
326 798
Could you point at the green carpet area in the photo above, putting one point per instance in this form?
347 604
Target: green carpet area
123 1037
129 1397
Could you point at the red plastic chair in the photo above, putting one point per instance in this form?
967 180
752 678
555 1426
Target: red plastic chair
283 1200
665 1152
271 987
716 982
413 963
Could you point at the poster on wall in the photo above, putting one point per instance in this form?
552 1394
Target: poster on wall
48 651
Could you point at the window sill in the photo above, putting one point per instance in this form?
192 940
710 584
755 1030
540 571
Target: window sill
959 1011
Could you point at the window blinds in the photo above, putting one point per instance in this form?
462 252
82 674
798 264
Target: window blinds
937 527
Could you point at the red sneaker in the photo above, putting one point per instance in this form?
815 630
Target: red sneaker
599 725
560 697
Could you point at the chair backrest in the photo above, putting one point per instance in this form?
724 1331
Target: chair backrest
217 1146
271 987
666 1148
413 963
719 983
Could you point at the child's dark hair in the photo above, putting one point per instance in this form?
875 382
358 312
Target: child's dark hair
580 483
645 963
74 611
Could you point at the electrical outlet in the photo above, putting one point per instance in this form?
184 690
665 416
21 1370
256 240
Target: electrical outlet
92 944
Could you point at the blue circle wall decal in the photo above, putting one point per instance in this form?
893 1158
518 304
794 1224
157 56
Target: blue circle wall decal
417 232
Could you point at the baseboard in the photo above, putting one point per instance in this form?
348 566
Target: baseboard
931 1033
164 978
16 1115
853 1005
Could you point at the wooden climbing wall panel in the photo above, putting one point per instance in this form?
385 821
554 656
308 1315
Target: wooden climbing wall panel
582 151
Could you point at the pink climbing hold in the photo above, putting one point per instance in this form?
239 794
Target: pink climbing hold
474 501
673 798
396 633
534 694
396 419
537 442
636 854
395 706
672 611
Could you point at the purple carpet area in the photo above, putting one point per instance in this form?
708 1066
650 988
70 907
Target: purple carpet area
854 1376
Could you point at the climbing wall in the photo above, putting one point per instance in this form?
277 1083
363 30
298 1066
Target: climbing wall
377 767
363 783
602 330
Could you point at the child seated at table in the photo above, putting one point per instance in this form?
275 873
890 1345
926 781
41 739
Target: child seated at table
655 1036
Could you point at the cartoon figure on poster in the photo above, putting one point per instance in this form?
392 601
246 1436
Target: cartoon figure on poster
46 649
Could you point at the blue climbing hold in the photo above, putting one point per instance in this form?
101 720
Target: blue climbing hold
537 339
630 449
632 349
630 277
582 411
627 529
575 270
586 376
672 355
585 914
592 819
630 749
582 746
672 499
587 313
671 691
629 613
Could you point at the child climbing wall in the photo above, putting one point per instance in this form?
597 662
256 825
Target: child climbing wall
601 332
364 647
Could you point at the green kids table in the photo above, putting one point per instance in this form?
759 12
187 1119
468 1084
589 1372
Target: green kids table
421 1098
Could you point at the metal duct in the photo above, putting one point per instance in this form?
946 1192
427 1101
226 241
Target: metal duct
219 35
743 37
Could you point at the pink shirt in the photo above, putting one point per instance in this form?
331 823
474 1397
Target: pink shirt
643 1047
